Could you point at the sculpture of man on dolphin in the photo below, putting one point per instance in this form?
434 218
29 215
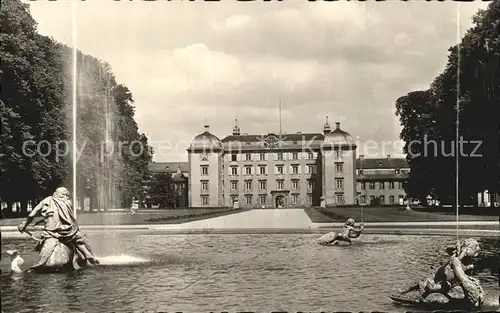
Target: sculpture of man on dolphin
61 237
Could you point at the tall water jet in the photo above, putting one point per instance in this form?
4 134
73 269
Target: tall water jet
110 153
98 159
74 103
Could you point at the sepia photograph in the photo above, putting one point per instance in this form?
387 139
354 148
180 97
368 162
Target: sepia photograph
249 156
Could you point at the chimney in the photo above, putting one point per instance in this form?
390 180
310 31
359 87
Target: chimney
388 157
337 125
361 157
206 127
299 133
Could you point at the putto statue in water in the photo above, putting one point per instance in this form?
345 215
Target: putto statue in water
348 231
62 245
452 286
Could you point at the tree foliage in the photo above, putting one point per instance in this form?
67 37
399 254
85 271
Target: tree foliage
162 191
35 113
471 76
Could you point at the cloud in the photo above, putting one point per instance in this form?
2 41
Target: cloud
186 62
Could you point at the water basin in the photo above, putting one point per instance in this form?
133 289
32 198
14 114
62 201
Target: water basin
145 272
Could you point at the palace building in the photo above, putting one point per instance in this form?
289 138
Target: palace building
272 170
380 181
283 170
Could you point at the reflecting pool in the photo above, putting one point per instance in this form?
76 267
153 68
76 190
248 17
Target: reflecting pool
201 273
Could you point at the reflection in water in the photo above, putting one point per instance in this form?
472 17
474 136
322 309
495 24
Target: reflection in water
196 273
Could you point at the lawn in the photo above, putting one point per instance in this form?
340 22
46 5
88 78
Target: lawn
167 216
389 214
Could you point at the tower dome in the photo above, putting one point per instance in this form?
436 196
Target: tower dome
205 141
338 137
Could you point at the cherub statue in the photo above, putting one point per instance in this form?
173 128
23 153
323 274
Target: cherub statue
348 231
452 282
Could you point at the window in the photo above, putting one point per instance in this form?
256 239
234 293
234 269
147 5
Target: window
382 199
401 185
309 199
279 169
234 171
204 200
295 184
391 185
262 185
391 199
248 199
234 185
204 170
279 185
280 156
363 186
295 199
295 156
311 169
234 157
362 199
340 199
338 154
339 168
381 185
248 185
262 156
310 184
372 185
310 155
295 169
372 198
262 199
204 185
339 183
248 157
262 170
248 170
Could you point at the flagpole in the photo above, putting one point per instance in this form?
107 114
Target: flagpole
280 116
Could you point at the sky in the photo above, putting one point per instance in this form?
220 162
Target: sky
191 62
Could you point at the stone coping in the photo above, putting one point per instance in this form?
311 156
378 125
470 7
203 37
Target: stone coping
11 233
446 224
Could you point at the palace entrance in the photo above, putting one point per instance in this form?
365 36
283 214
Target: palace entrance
279 202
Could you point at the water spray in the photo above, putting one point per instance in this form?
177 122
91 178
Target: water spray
74 103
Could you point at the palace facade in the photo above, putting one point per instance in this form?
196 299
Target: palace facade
283 170
272 170
380 180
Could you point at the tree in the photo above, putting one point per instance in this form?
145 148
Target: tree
476 61
162 190
417 114
134 148
36 111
